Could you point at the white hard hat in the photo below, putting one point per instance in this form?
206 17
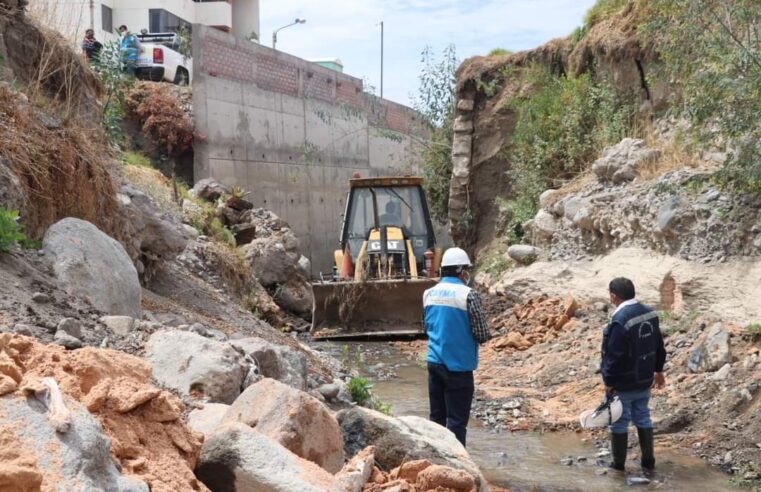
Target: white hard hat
455 257
602 416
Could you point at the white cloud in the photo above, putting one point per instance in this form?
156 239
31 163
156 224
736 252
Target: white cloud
348 29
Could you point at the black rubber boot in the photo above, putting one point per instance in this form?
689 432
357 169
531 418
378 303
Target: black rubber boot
618 444
646 447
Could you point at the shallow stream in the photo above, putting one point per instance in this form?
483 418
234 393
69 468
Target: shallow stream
523 461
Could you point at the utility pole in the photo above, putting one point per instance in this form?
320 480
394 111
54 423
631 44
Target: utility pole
381 77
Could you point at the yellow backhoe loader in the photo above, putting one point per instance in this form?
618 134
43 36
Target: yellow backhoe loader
387 259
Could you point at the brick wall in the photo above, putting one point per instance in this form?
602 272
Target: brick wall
230 58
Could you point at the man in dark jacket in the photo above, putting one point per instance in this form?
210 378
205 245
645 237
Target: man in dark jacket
90 46
633 356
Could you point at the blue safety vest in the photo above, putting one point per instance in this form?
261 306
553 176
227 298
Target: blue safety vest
447 322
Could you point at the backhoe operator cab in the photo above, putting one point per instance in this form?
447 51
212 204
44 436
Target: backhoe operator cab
387 229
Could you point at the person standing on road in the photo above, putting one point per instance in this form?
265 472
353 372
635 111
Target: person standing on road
456 326
129 48
633 356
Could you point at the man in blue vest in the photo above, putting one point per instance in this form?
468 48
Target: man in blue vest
633 356
129 48
456 325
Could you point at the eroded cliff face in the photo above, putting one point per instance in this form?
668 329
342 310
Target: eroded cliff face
38 57
612 51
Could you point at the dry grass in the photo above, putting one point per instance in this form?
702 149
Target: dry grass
63 168
54 75
154 184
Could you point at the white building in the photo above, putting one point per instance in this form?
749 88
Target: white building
72 17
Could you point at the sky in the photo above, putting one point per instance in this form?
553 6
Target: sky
350 30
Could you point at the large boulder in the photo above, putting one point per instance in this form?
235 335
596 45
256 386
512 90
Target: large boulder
276 262
206 419
236 458
196 366
280 362
544 226
296 420
159 234
523 253
209 189
404 439
713 353
34 456
621 162
91 265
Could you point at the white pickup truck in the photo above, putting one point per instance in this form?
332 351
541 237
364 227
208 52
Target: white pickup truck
159 59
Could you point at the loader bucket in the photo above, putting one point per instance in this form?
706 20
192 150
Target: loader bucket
378 308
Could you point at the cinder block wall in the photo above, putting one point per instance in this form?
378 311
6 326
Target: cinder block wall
291 133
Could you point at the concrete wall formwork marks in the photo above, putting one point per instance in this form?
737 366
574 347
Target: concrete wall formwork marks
292 133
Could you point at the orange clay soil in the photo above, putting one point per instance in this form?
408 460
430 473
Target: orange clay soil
148 435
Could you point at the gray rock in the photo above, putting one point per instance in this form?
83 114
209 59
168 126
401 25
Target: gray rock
293 418
723 373
79 459
22 329
523 253
572 205
121 325
199 329
91 265
547 197
278 362
170 319
209 189
329 391
196 366
717 346
12 193
206 419
404 439
236 458
544 225
583 219
668 214
157 234
70 326
712 354
41 298
620 162
68 341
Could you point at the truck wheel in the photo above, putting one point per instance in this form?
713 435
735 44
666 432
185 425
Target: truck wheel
181 77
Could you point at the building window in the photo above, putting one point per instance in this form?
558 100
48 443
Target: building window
161 20
106 18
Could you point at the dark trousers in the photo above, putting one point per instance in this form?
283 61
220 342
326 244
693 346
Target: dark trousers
450 395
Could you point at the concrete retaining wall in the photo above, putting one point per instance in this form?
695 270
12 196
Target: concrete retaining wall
291 133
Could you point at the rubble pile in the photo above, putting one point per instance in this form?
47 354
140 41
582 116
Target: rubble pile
537 321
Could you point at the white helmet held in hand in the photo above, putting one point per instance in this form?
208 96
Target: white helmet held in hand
604 415
455 257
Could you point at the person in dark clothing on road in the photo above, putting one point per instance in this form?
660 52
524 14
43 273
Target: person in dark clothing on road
633 356
456 326
90 46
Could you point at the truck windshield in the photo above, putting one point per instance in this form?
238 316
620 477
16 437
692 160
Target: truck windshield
397 206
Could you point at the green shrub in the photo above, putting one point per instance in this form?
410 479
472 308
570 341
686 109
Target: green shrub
601 10
499 52
716 60
359 389
561 126
11 232
754 330
135 158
